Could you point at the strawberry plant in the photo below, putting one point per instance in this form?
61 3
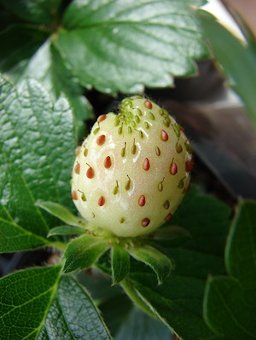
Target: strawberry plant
130 249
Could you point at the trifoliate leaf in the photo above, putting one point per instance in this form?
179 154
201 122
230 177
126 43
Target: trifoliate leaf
122 46
111 45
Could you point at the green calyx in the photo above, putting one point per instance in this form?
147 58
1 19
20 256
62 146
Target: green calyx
128 114
84 252
93 242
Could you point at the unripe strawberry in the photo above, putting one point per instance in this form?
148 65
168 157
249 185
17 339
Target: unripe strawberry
132 171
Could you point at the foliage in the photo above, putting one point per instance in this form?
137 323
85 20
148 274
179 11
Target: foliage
181 279
55 44
40 303
229 304
77 254
35 163
240 70
178 301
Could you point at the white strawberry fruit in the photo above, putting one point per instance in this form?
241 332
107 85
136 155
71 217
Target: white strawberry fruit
132 171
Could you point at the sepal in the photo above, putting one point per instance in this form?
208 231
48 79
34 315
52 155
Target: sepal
65 230
83 252
120 263
61 213
157 261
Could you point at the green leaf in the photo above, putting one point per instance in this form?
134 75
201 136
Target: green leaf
177 302
120 263
38 12
29 53
140 326
13 237
115 309
20 42
40 304
170 235
83 252
48 67
206 219
17 199
226 311
137 43
138 299
100 289
61 213
229 303
127 322
34 164
25 298
241 247
65 230
191 263
73 315
157 261
165 35
240 71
